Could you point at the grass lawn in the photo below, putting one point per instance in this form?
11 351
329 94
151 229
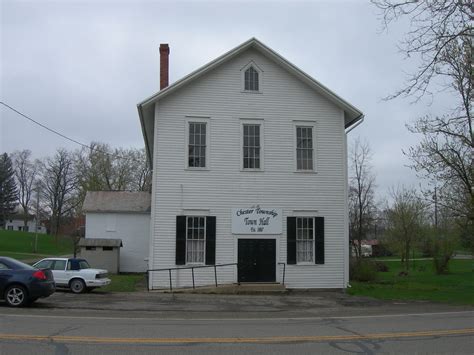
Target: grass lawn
20 245
421 283
125 283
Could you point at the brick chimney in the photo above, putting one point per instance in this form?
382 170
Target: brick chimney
164 65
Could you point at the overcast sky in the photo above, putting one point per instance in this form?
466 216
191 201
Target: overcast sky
80 67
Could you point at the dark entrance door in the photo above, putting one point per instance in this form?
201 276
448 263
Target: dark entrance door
256 258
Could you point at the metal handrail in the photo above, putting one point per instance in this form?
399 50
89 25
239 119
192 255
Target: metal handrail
284 272
186 268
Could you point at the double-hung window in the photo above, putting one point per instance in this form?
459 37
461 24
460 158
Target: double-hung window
251 79
197 144
304 239
195 239
251 146
304 148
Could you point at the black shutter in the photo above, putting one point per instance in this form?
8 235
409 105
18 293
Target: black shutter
180 240
210 240
291 240
319 240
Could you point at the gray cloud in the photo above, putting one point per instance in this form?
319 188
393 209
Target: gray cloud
81 67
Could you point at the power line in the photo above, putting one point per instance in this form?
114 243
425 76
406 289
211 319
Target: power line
113 155
43 126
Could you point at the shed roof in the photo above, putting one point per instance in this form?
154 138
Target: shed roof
117 201
100 242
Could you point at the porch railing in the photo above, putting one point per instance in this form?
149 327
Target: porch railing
284 272
192 268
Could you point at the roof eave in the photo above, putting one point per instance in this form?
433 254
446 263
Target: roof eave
354 123
145 137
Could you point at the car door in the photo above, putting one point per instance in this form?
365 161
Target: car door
72 269
59 271
4 275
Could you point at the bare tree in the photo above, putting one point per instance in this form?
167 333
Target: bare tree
103 168
434 27
441 35
405 220
93 168
59 186
26 172
142 173
361 194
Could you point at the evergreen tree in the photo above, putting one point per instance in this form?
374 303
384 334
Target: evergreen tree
8 189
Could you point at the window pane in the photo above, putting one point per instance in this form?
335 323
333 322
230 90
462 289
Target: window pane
251 79
197 144
304 148
304 239
251 146
59 265
195 239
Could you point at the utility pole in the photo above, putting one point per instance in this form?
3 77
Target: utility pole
436 207
37 217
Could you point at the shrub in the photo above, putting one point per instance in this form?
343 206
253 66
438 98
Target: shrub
381 267
441 264
363 270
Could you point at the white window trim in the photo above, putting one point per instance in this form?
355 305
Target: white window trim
313 125
260 78
304 213
198 119
111 222
205 239
312 262
254 121
195 212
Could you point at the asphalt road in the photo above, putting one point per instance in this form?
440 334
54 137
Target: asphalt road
383 328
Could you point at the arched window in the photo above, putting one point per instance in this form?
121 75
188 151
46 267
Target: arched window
251 79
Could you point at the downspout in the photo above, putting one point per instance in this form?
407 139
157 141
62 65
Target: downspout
346 282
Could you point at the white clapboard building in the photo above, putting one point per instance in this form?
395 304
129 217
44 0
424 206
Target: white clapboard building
121 216
249 160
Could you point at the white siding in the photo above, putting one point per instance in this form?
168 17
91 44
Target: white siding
223 186
132 228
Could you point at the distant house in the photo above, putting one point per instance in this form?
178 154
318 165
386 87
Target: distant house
121 215
16 223
368 247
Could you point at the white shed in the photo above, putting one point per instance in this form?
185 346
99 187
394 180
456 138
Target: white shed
121 215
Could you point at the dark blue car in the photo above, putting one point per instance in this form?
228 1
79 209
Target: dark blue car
22 284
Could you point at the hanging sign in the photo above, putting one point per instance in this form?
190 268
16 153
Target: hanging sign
256 220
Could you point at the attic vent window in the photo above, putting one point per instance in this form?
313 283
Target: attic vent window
251 79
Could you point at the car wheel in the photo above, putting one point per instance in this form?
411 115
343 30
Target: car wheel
77 286
16 296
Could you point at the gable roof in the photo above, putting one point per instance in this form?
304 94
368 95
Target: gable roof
352 115
117 201
20 216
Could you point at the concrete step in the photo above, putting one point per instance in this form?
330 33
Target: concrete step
235 289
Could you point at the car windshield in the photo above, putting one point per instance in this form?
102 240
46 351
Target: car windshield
84 264
18 265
